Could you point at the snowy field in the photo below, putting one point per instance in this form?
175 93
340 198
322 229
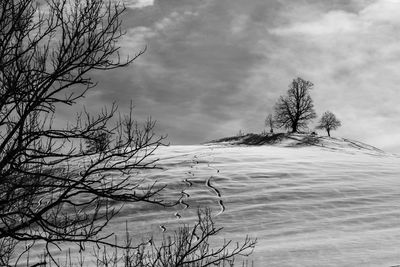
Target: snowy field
331 205
336 203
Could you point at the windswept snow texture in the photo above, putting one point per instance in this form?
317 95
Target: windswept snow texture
335 204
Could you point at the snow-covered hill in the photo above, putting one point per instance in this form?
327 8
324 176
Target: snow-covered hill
333 203
310 201
298 140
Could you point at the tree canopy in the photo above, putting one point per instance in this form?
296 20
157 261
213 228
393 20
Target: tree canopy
294 110
329 122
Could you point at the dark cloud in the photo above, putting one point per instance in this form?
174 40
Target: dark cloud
213 67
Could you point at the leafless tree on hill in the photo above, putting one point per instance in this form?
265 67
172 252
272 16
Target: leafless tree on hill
296 109
329 122
270 122
45 62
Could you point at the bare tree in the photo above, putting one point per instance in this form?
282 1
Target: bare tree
45 59
188 246
51 189
329 122
296 109
270 122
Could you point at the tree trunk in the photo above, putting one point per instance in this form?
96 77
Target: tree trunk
329 132
294 128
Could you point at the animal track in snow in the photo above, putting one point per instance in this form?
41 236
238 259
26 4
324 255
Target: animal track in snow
189 183
208 183
221 204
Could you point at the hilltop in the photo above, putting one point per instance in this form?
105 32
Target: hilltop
296 140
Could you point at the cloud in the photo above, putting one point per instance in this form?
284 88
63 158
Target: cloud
138 3
382 11
380 15
214 67
353 58
333 23
192 72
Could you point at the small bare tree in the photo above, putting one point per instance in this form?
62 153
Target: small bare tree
240 133
329 122
296 109
270 122
187 246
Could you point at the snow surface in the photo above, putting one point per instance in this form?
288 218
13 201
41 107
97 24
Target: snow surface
332 204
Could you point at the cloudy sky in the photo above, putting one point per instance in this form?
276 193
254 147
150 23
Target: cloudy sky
213 67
